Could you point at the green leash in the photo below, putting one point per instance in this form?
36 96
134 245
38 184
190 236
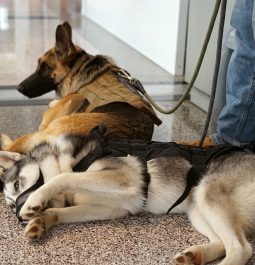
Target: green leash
197 69
137 84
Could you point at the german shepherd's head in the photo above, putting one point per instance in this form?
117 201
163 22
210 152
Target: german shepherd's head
59 62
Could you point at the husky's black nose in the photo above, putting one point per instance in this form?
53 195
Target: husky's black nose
35 86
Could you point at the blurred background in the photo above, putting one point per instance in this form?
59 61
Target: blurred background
157 41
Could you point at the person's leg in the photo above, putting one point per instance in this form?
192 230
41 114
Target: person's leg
236 122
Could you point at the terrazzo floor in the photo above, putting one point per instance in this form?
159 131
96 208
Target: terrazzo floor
27 31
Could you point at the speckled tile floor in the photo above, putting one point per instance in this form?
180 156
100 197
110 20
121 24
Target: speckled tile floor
27 30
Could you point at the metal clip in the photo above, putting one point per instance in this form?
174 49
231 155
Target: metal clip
124 74
127 76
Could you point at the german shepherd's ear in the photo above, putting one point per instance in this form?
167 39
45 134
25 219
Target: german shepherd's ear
68 29
5 141
64 45
99 130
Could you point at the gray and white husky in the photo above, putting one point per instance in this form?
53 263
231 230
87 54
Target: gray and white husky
221 206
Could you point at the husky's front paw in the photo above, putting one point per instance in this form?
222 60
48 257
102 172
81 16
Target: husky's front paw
187 258
37 226
34 205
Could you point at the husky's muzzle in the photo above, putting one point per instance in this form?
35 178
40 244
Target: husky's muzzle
35 86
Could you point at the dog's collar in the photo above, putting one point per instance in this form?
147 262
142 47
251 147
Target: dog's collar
21 199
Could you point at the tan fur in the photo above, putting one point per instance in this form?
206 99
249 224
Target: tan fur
81 123
63 107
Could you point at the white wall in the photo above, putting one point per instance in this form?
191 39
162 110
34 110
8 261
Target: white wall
157 29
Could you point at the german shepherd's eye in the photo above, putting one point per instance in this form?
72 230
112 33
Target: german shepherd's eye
16 185
45 67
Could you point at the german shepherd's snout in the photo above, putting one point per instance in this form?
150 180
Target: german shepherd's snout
36 85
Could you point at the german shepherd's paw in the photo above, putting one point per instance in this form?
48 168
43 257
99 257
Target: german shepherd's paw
53 103
34 206
187 258
5 141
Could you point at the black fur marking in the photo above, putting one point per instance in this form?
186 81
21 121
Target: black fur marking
76 58
95 67
42 150
78 142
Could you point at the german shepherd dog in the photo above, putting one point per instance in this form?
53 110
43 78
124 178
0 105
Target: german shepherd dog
92 90
113 185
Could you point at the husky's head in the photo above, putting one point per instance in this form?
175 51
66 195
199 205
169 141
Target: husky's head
18 174
22 173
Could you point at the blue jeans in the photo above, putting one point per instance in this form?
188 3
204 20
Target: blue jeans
236 122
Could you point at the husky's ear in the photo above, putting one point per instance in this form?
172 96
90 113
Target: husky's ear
64 45
7 159
99 130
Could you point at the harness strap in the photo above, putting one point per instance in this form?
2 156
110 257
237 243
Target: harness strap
224 149
192 178
21 199
1 180
146 177
136 87
83 106
196 172
118 73
84 164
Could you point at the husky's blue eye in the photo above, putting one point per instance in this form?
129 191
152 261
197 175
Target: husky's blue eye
16 185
